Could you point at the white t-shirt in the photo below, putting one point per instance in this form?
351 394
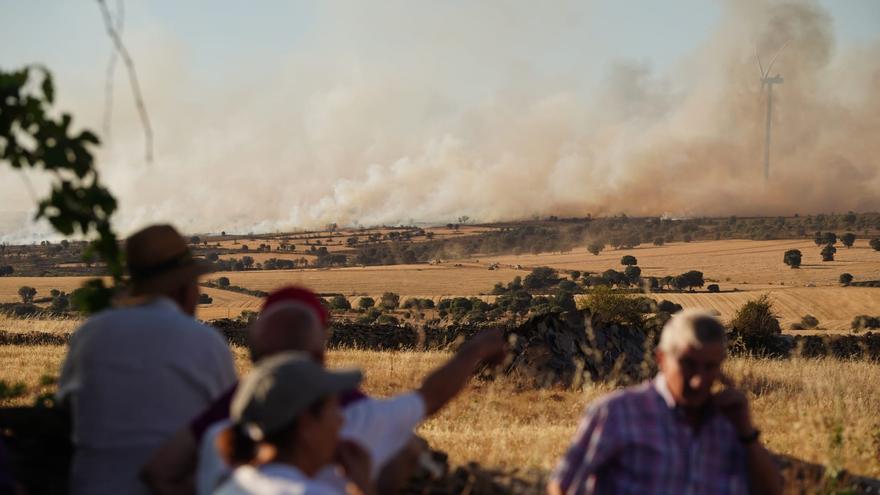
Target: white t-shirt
274 479
134 376
381 426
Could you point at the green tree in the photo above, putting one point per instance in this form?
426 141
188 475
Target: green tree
845 278
633 274
223 281
828 252
629 260
848 239
792 258
339 303
34 136
27 294
541 277
875 244
366 302
596 247
389 301
6 270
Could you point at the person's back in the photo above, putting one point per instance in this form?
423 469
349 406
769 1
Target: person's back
134 374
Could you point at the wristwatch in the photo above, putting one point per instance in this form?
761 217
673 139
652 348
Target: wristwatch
750 438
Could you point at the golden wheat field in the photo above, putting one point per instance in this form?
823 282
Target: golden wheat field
821 410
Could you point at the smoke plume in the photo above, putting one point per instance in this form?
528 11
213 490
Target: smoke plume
494 135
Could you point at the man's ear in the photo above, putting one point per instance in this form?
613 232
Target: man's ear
658 356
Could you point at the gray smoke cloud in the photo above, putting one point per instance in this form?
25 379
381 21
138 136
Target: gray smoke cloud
331 139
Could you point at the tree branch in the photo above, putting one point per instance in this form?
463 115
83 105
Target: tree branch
132 78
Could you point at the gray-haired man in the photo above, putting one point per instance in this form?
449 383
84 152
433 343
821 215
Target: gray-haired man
672 434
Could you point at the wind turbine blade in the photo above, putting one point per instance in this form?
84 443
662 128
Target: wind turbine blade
773 61
760 67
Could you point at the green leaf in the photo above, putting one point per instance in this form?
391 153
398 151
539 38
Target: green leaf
48 87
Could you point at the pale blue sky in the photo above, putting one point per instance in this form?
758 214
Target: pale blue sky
229 38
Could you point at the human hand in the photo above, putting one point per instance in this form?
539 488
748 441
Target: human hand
734 404
488 345
356 462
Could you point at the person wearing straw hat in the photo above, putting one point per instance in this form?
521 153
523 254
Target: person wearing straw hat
286 422
138 371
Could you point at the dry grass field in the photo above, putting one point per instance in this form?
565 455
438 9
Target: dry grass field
823 411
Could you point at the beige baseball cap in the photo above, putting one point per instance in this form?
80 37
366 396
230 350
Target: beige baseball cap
281 387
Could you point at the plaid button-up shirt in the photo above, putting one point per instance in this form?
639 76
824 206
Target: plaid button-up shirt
635 441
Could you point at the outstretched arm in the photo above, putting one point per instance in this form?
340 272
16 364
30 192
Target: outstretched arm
446 382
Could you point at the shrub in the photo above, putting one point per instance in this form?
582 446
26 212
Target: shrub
875 244
713 288
541 277
670 307
629 260
845 278
828 252
848 239
223 282
6 270
792 258
658 241
60 303
612 307
366 303
862 322
339 303
27 294
389 301
596 247
387 319
757 324
809 322
632 274
205 299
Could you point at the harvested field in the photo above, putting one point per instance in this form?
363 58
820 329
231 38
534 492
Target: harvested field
835 307
9 285
226 304
799 404
410 280
732 263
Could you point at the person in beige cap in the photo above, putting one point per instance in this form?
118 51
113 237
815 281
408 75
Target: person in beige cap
137 372
286 422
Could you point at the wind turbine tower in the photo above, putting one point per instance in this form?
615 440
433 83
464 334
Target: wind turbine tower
768 81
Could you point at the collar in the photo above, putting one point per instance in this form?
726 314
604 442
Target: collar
662 389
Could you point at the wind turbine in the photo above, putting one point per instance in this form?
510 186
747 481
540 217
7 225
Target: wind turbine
768 81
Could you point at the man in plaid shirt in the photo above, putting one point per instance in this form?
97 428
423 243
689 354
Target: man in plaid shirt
671 435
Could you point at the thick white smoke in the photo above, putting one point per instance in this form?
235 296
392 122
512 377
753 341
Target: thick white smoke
459 117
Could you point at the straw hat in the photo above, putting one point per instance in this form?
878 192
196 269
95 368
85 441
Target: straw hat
158 259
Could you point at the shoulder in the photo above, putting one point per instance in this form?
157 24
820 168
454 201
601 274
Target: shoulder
635 397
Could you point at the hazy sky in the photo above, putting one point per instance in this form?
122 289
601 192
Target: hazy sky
312 104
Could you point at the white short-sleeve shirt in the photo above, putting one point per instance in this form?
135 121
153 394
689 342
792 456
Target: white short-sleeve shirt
381 426
274 479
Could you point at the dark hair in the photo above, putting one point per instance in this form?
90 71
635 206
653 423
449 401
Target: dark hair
236 446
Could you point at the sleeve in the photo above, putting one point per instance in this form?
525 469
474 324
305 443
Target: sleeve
68 378
383 426
595 443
